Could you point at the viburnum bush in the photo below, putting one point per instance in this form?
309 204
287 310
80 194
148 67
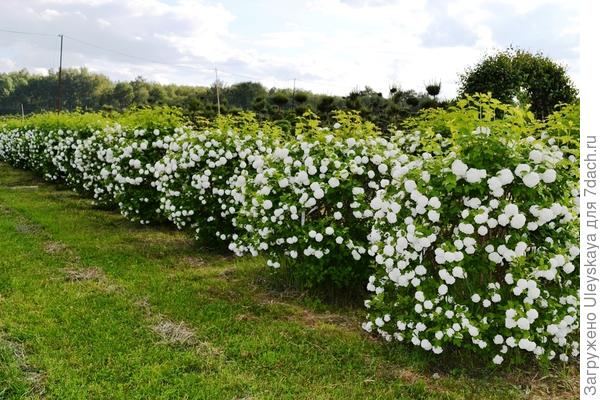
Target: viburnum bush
483 250
306 203
116 163
201 178
93 158
463 227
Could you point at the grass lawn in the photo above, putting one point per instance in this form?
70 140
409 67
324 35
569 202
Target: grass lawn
95 307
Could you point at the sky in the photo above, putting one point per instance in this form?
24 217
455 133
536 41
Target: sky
328 46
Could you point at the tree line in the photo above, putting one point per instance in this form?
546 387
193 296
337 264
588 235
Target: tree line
512 75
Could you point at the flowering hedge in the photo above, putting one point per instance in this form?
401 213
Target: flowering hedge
307 204
463 228
201 178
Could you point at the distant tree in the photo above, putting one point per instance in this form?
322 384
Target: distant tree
157 95
123 94
243 94
433 89
412 101
300 98
517 75
141 93
279 99
325 104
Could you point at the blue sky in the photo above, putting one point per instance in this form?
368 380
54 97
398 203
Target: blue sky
329 46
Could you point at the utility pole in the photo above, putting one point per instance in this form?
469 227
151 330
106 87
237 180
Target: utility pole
59 94
22 112
217 87
294 95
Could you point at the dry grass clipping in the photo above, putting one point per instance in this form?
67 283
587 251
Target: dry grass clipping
174 333
79 275
53 247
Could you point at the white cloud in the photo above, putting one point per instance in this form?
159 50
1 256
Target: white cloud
330 46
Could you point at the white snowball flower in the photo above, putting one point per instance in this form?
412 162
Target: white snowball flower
522 169
459 168
420 296
506 176
333 182
475 175
433 215
497 359
536 156
518 221
549 176
283 182
467 229
531 179
442 289
410 185
435 202
523 323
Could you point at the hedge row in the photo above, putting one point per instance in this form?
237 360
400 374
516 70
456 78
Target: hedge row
464 228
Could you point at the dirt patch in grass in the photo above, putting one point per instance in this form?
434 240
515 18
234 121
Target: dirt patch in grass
35 377
227 273
25 187
169 331
144 304
28 228
79 275
165 238
559 384
207 349
191 262
23 225
431 382
246 317
96 275
299 313
174 333
54 247
314 320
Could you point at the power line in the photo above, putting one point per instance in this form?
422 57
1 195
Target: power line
240 75
59 93
173 65
27 33
217 88
194 67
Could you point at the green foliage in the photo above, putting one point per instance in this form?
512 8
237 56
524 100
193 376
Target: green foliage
433 89
517 75
482 253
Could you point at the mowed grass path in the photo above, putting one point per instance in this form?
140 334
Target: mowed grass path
95 307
